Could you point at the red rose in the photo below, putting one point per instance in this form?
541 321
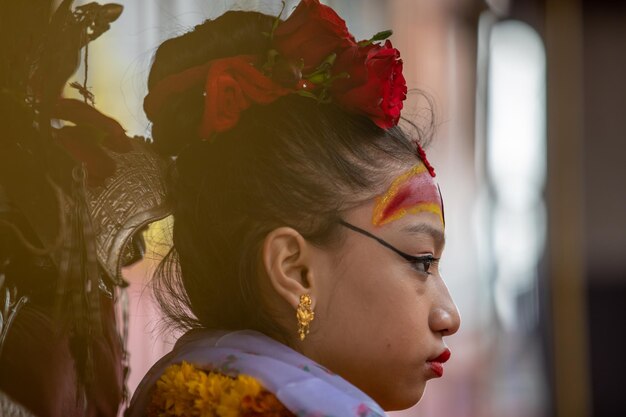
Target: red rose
376 86
312 33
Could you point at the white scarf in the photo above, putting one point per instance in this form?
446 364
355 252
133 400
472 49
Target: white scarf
303 386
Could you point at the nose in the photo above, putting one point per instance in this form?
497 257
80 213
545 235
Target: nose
444 317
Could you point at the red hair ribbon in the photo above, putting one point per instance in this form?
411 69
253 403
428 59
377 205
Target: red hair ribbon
231 86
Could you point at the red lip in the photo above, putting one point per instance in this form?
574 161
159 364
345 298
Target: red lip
436 365
443 358
437 368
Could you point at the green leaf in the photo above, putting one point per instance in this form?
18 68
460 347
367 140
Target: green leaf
340 75
320 78
308 94
330 59
277 20
323 68
381 36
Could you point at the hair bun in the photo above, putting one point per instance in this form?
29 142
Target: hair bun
233 33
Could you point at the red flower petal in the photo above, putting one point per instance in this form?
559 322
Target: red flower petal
378 88
312 33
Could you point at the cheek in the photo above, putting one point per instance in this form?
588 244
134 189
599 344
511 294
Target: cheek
374 331
366 294
368 299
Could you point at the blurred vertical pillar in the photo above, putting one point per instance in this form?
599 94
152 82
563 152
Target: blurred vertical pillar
565 207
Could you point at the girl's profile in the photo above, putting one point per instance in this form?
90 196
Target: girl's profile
308 226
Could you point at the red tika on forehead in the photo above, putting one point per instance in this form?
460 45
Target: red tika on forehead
413 192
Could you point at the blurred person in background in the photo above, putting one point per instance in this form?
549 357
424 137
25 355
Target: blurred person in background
75 193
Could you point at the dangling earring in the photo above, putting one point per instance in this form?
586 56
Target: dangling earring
305 315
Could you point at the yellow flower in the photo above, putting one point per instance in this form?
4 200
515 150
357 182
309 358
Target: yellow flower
187 391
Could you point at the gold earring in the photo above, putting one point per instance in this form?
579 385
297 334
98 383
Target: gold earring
305 315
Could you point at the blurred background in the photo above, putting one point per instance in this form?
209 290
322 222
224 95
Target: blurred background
530 110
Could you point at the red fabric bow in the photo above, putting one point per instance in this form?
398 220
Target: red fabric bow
231 86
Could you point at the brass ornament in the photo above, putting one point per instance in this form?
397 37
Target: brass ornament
305 315
133 197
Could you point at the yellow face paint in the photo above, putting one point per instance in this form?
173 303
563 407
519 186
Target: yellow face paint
413 192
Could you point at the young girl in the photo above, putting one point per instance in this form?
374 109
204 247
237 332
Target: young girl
308 227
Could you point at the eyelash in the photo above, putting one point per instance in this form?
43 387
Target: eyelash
426 261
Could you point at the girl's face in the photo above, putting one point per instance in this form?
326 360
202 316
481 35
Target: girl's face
380 319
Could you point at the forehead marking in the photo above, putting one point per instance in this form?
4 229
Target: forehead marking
412 192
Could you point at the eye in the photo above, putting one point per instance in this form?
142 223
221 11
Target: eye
423 263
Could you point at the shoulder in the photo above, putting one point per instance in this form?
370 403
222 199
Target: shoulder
187 389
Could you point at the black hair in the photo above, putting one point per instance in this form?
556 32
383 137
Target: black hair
292 163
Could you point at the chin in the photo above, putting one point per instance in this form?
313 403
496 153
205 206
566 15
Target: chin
402 399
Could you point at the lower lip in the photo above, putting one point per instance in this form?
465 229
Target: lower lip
437 368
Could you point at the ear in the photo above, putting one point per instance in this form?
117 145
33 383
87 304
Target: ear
287 262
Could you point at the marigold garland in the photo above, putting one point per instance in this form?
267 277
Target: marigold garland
187 391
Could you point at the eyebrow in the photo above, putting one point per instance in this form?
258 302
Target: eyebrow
423 228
